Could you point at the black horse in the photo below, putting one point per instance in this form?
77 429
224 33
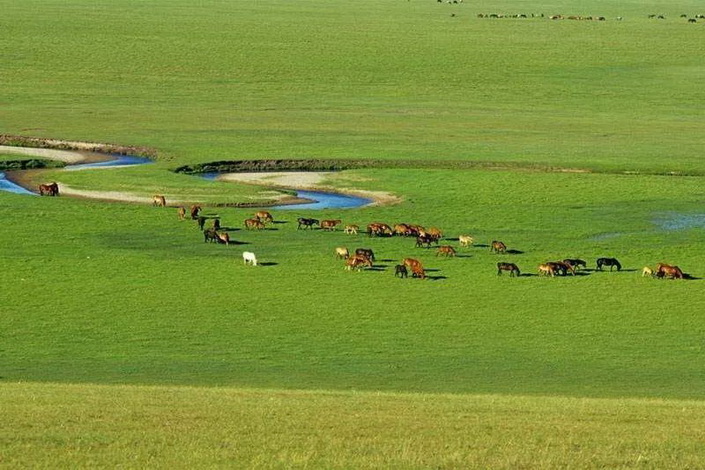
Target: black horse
401 271
611 262
511 267
575 262
307 223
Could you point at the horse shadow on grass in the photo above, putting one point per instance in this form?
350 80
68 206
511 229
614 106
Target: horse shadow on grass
514 252
267 264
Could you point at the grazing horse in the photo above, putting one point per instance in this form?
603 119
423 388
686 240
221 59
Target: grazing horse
342 253
351 229
546 270
422 240
210 235
434 233
466 240
158 200
307 223
182 213
195 210
249 258
330 224
264 217
400 271
49 189
611 262
379 229
669 271
445 250
575 262
415 266
647 271
357 262
402 230
255 224
223 238
497 247
366 252
561 267
511 267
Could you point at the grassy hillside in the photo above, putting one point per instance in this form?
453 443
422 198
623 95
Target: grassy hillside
367 79
112 312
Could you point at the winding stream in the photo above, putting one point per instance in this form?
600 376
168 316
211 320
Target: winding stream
319 200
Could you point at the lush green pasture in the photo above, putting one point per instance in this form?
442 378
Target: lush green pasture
118 293
119 426
215 80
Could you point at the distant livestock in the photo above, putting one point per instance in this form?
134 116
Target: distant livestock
249 258
49 189
158 200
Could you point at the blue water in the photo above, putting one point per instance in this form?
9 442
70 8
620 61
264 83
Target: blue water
118 160
10 187
679 221
320 200
325 201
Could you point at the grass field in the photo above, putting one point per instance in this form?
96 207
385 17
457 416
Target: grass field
126 340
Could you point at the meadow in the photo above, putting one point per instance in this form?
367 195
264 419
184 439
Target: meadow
126 340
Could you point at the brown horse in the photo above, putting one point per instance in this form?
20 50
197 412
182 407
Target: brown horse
445 250
253 224
379 229
511 267
415 266
357 263
195 210
264 217
49 189
182 213
668 271
223 237
330 224
546 270
365 252
497 247
158 200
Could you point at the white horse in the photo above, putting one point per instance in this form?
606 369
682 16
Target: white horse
249 258
466 240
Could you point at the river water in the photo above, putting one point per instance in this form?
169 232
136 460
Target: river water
320 200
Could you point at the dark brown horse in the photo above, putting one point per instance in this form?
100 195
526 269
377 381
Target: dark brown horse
511 267
611 262
400 271
49 189
195 209
575 262
365 252
307 223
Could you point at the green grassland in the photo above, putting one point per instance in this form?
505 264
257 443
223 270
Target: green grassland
127 340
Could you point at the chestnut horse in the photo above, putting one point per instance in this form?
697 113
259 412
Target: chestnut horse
50 189
669 271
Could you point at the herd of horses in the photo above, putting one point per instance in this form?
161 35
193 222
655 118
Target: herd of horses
363 258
